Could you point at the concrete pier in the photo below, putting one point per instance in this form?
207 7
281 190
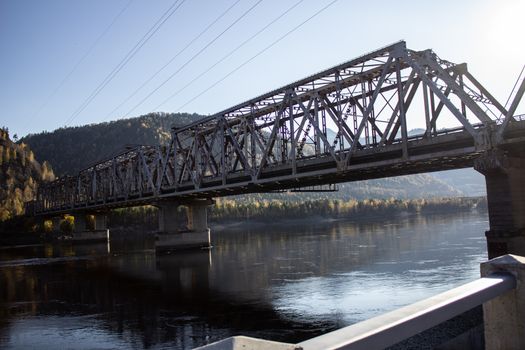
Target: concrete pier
101 221
505 178
169 221
56 220
175 234
81 223
504 316
83 233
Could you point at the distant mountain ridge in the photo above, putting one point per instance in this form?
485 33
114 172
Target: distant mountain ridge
466 181
72 149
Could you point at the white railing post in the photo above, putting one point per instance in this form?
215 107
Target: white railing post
504 316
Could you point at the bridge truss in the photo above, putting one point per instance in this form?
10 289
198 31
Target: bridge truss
349 122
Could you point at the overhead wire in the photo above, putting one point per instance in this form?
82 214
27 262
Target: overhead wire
229 54
257 54
172 59
79 62
136 48
193 57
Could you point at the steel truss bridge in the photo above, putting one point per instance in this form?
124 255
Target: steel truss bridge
284 139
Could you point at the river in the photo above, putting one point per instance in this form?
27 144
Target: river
282 281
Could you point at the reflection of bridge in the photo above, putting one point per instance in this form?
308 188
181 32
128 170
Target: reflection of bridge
282 140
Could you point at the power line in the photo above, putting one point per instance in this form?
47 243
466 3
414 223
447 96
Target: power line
192 58
257 54
165 16
145 38
172 59
79 62
229 54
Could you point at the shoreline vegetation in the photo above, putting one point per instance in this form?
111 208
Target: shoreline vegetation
370 198
227 211
242 211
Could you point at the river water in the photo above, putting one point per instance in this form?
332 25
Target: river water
285 282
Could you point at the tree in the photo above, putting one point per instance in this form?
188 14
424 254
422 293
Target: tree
48 226
20 175
67 224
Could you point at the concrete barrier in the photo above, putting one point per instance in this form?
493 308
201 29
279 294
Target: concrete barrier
247 343
504 316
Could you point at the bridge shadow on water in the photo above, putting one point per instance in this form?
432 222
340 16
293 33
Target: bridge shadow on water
149 299
273 282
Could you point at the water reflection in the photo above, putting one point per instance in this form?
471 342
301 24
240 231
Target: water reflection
285 282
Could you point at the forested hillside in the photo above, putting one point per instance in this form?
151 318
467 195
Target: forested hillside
20 174
468 180
74 148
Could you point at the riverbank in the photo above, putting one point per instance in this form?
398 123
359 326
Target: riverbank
361 214
226 210
228 213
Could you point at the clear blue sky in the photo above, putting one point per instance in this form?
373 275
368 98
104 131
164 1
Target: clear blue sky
41 42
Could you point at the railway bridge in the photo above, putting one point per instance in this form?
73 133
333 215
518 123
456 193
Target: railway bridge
347 123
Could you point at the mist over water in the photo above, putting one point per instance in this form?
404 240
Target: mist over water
285 282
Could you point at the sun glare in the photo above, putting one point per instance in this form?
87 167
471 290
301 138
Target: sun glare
504 26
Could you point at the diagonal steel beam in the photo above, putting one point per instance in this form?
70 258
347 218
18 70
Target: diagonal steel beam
343 128
435 89
237 148
456 89
273 135
319 132
369 108
485 92
514 105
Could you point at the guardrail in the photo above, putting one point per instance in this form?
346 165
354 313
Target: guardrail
499 290
393 327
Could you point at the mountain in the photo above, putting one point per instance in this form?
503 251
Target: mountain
20 174
471 182
400 187
72 149
75 148
467 181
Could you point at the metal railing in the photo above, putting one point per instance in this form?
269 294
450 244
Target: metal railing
391 328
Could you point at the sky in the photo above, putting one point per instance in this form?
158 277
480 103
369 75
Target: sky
72 62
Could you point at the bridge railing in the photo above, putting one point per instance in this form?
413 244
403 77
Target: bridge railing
500 290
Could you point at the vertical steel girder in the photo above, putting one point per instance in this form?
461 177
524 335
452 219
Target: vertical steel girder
371 103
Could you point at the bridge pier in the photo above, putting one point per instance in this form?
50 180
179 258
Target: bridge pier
81 223
505 179
56 224
101 221
169 221
82 232
198 215
173 236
